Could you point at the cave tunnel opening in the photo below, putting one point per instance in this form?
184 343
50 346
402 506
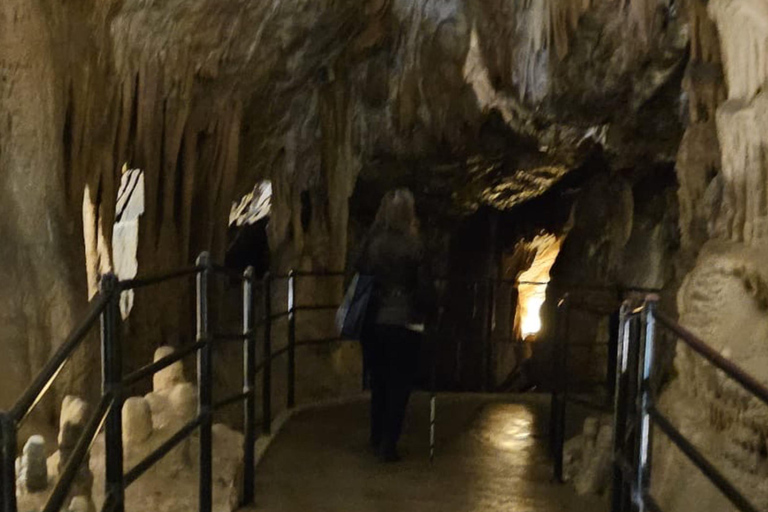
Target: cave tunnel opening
248 243
532 284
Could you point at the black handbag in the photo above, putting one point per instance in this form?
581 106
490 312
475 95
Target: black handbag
351 315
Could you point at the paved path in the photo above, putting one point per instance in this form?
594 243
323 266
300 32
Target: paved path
491 457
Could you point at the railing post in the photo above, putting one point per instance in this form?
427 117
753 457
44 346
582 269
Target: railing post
249 386
291 399
204 386
488 380
111 383
619 485
645 433
560 380
266 385
561 383
8 463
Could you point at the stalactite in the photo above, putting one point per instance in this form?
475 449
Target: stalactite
742 133
741 125
705 44
743 26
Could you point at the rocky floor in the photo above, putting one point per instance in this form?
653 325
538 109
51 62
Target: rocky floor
491 456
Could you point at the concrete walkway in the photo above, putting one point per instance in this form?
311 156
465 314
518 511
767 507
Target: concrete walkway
491 456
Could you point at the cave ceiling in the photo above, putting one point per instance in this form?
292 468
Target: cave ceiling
498 98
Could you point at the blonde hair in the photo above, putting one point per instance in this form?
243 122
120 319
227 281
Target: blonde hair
397 212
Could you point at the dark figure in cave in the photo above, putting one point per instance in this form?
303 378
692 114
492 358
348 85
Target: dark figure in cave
392 338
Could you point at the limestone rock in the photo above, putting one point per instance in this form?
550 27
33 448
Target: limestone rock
74 416
160 406
170 376
33 470
80 504
573 452
587 457
183 401
595 471
137 421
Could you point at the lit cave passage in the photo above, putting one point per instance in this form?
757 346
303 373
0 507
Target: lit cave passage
563 156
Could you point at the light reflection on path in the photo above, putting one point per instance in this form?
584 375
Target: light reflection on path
491 457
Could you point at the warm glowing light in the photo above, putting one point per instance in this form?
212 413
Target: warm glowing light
532 289
531 322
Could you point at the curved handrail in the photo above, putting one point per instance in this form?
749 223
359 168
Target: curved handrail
61 490
162 363
641 341
160 277
48 373
710 471
229 272
105 305
710 354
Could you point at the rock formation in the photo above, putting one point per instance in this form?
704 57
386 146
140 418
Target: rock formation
32 469
148 421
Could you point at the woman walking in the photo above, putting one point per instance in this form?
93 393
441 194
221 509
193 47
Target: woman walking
392 253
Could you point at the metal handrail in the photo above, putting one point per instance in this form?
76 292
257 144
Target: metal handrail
161 277
114 382
706 467
48 373
713 356
229 272
104 306
225 402
231 336
61 490
309 273
318 307
561 392
321 341
162 363
151 459
638 344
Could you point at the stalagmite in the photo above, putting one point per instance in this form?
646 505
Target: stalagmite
137 421
183 401
33 470
167 378
74 415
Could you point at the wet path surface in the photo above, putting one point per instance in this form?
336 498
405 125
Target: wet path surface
491 456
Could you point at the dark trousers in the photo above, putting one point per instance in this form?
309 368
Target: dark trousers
393 356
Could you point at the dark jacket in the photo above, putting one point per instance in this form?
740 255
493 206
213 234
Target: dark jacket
403 292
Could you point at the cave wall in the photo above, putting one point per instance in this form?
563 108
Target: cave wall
42 275
722 169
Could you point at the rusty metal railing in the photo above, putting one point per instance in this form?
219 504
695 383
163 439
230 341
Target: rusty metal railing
636 412
104 307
